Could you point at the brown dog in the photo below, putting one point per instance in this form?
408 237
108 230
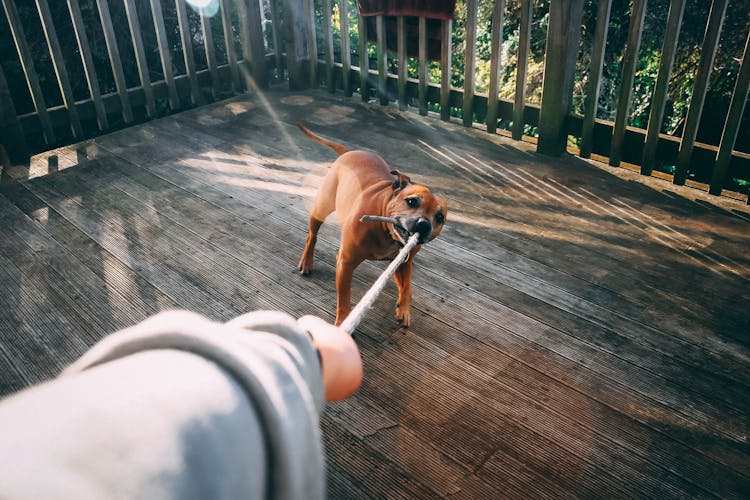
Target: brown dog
361 183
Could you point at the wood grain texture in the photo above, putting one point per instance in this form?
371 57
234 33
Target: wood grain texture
563 340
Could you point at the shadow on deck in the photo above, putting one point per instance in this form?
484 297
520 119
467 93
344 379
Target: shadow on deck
576 330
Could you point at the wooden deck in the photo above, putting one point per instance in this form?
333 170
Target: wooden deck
576 330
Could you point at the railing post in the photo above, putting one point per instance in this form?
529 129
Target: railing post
297 28
563 35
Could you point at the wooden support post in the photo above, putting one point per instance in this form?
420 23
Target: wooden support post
346 49
496 41
278 47
10 130
732 123
401 49
312 44
626 82
165 57
563 35
114 59
299 54
519 104
208 45
140 56
659 98
469 62
695 109
423 66
595 76
364 62
328 33
445 69
382 60
187 52
226 22
253 45
88 63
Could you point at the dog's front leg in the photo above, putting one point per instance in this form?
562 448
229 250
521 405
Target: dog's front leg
344 271
403 281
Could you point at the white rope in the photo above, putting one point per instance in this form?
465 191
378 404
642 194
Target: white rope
364 305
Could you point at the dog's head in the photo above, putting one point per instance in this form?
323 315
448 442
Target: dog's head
416 208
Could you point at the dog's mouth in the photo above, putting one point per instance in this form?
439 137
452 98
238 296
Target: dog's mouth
398 231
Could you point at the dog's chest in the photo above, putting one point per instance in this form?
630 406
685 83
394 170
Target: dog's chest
385 252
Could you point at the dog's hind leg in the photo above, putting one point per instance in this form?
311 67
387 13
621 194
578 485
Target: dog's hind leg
324 205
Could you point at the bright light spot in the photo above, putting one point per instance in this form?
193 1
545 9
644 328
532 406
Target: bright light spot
206 8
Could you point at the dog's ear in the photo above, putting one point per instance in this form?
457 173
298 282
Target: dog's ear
401 180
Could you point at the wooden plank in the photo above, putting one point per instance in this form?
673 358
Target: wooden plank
496 38
732 123
88 63
561 53
700 87
346 50
187 52
312 43
13 137
521 64
328 37
27 63
114 59
629 67
208 44
140 56
402 58
166 58
659 97
595 74
58 63
424 66
469 62
382 62
446 53
226 22
364 62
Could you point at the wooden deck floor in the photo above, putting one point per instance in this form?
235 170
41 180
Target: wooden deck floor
576 331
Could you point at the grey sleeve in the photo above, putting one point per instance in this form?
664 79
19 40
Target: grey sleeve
174 407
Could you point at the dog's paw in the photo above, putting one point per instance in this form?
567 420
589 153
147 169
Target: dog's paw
403 316
305 266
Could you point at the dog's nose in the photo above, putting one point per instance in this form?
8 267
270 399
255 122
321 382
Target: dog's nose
424 228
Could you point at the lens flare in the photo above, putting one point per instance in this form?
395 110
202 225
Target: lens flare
205 8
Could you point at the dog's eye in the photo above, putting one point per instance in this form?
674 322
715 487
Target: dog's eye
412 202
439 218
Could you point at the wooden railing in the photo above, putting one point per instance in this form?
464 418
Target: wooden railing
304 53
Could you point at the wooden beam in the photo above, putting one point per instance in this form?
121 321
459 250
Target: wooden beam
13 138
364 64
208 45
402 57
166 58
87 60
595 75
346 49
140 56
732 123
27 64
114 59
382 60
659 97
629 68
58 63
226 23
187 51
496 38
563 35
469 62
312 43
424 66
522 62
700 87
253 45
328 33
446 50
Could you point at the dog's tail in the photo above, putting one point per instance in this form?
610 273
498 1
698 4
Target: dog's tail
339 148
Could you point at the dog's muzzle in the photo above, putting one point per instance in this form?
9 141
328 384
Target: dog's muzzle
421 226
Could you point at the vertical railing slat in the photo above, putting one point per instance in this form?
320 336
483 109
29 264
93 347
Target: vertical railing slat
114 60
226 23
732 123
423 66
496 38
382 60
346 49
208 45
626 83
87 60
401 49
253 45
58 63
187 51
700 86
245 44
469 62
27 64
140 56
166 59
446 48
522 63
327 13
12 138
312 44
595 75
659 98
364 65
